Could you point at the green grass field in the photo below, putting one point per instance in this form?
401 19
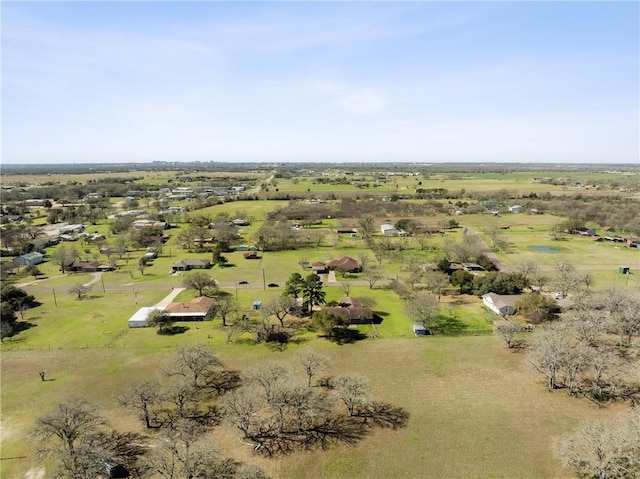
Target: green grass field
477 409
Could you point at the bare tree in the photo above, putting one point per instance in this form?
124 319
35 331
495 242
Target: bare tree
436 282
547 353
605 367
604 449
509 331
279 307
353 391
22 305
196 363
364 259
423 308
415 275
121 246
575 362
241 407
527 269
587 323
226 306
81 291
199 282
62 256
567 279
142 265
313 363
182 452
143 397
268 375
70 436
346 288
626 320
367 226
499 241
373 273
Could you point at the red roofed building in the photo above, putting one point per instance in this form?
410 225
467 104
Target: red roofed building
344 264
198 309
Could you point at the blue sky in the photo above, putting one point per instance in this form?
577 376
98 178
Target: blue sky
320 81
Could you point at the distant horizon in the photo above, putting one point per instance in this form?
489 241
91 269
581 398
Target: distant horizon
160 163
321 82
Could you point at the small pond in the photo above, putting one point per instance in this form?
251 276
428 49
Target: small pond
545 249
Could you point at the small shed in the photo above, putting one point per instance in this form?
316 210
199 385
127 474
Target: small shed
257 305
624 270
420 330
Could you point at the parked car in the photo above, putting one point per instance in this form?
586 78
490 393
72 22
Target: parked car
273 285
243 282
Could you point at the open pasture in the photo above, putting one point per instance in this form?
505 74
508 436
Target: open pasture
556 183
467 418
153 177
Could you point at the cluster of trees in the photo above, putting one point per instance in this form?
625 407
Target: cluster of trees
281 411
604 449
275 408
178 410
202 229
492 282
13 300
20 237
279 235
309 289
588 352
348 207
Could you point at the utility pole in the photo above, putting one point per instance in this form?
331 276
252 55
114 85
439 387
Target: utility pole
54 297
264 284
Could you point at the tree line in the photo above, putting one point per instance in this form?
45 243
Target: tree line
277 407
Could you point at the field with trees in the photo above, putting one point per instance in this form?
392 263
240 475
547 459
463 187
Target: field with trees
298 374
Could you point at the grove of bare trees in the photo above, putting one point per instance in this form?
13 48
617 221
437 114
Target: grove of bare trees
278 407
591 351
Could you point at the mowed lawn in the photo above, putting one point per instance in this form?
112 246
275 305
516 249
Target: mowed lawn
476 409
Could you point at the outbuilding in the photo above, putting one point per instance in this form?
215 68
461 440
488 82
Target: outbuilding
420 330
504 305
389 230
30 259
139 318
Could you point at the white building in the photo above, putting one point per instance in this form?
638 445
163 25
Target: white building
389 230
501 304
139 318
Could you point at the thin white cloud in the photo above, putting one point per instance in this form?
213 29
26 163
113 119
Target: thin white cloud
354 100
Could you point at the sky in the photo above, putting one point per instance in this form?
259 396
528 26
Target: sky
541 81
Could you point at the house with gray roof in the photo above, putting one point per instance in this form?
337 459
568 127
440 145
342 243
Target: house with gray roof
190 263
504 305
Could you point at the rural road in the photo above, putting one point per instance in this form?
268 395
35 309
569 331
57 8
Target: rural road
487 251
